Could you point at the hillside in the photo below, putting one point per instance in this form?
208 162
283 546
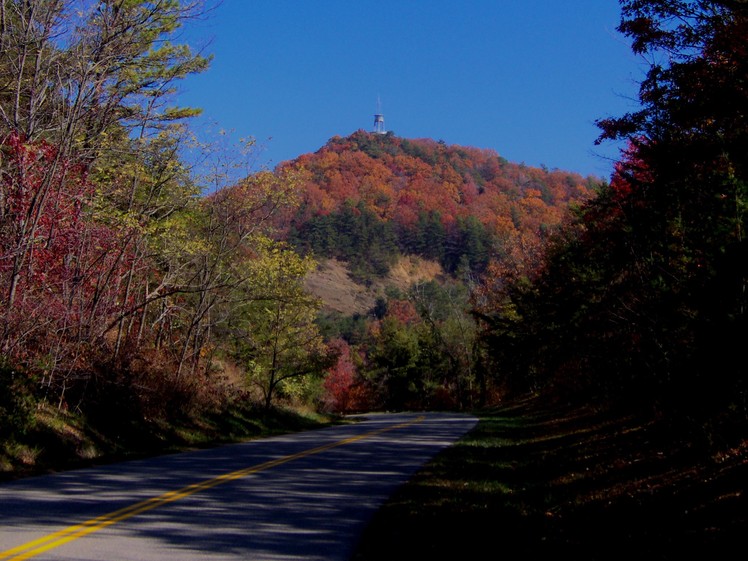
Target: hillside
403 231
332 282
368 198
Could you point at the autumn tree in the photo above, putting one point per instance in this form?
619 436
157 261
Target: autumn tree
345 387
89 165
688 177
274 327
73 74
394 360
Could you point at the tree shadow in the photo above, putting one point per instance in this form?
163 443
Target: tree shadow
309 507
544 480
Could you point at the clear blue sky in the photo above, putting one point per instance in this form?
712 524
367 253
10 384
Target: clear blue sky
527 78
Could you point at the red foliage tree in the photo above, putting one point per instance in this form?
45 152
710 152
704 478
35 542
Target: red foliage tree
61 274
344 389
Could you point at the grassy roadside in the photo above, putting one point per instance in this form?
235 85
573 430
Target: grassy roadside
59 440
533 479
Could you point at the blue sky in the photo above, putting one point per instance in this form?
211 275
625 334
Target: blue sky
527 78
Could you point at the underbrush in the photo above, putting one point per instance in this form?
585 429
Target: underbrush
17 401
61 440
132 413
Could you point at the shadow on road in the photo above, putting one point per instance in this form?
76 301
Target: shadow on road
311 507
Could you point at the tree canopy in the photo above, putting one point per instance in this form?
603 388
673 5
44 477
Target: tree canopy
642 296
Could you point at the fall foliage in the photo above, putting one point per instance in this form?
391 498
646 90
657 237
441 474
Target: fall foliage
118 276
123 272
376 195
368 199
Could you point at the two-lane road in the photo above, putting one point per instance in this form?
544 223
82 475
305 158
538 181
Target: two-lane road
301 496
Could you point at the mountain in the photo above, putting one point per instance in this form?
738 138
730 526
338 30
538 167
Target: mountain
369 198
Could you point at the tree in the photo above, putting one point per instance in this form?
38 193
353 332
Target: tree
83 81
342 390
110 260
451 338
394 360
641 297
206 264
276 334
687 173
73 69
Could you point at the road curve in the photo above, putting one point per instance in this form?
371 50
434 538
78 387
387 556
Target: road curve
300 496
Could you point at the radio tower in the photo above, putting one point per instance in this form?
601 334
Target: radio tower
379 119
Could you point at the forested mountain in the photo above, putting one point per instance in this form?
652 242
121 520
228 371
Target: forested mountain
369 200
368 197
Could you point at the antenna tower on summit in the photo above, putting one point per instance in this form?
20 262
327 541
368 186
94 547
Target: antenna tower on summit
379 119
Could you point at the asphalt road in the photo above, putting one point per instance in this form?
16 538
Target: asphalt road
301 496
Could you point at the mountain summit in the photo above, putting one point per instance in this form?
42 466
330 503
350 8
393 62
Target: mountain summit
369 197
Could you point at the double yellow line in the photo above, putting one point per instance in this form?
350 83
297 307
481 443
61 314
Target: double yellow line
61 537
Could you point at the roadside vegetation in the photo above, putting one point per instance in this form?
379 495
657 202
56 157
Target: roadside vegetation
146 302
539 478
56 439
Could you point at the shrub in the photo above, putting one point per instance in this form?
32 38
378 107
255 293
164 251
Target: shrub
17 401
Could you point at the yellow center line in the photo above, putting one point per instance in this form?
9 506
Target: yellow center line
61 537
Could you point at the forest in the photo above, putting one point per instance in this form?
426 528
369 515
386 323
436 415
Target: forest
371 199
640 301
137 284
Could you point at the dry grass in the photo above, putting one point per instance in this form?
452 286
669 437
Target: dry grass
332 283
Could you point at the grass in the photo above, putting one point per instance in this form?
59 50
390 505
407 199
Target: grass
60 440
537 480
